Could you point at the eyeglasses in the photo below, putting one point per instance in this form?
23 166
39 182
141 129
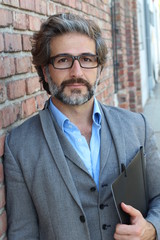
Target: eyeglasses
65 61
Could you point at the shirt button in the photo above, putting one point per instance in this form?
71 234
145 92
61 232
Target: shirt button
93 189
82 219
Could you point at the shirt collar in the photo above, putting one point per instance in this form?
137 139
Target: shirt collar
61 118
58 115
96 113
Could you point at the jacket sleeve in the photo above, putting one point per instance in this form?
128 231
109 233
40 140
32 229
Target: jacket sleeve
153 178
21 214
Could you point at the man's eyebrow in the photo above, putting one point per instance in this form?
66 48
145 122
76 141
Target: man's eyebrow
65 54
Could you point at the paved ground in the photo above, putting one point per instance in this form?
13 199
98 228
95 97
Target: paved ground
152 112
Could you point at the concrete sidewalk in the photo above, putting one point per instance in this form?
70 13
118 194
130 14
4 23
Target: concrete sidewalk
152 112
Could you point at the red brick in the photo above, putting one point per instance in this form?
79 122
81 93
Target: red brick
51 8
7 67
23 64
41 6
78 5
1 42
14 3
92 2
34 23
26 42
2 92
72 3
32 85
29 4
2 138
61 9
5 17
2 197
10 114
16 89
20 21
85 7
1 173
64 2
12 42
3 223
103 7
28 107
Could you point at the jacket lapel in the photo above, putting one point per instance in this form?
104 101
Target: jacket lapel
106 143
116 130
69 150
57 153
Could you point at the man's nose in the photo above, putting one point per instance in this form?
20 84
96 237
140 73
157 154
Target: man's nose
76 70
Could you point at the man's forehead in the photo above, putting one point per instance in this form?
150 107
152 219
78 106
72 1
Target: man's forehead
71 35
72 42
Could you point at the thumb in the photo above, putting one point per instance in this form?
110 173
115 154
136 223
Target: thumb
133 212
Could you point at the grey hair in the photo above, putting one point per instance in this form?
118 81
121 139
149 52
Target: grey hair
60 24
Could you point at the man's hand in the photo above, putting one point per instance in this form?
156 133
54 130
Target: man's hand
139 229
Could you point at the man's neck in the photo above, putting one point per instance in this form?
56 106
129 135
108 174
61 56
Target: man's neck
80 115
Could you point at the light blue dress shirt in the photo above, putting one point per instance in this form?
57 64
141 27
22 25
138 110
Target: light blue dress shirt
89 155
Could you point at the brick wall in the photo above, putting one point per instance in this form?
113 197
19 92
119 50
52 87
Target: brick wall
21 94
129 87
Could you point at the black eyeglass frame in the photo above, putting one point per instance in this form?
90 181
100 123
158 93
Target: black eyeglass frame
73 59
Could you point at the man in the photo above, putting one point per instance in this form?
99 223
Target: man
60 164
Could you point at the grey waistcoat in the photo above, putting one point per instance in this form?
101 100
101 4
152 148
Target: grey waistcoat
98 206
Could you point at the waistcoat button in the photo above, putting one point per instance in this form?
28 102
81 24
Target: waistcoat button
104 185
102 206
105 226
93 189
82 219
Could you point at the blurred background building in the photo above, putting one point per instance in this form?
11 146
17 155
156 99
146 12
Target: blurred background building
149 45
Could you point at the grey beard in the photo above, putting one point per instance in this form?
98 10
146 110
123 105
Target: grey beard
76 97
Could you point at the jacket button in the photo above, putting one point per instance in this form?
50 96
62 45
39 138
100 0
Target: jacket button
101 206
82 219
104 226
93 189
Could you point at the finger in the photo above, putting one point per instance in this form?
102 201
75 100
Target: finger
124 237
123 229
120 237
133 212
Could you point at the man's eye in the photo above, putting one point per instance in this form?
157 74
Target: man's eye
87 59
62 60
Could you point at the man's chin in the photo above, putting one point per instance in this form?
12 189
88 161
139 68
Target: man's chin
74 100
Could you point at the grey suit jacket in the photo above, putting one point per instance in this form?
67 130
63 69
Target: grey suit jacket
48 189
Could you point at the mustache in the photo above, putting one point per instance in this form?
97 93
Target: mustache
75 80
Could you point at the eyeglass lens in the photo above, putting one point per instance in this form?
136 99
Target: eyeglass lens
66 61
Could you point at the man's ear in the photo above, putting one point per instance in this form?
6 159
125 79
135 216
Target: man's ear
44 73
